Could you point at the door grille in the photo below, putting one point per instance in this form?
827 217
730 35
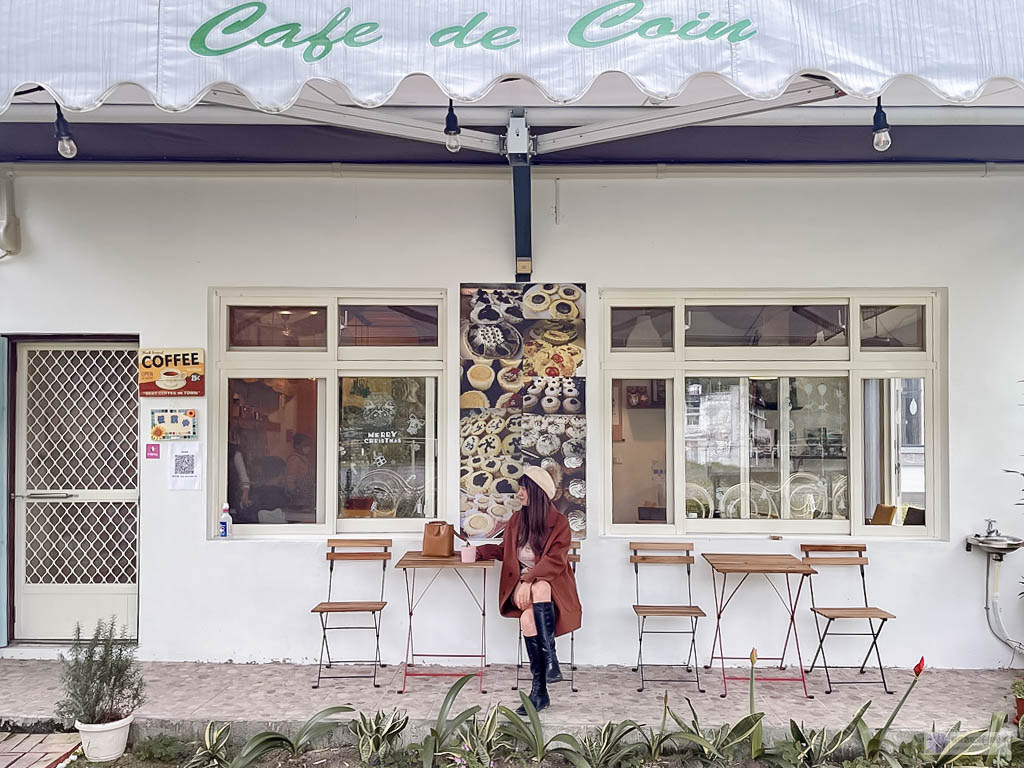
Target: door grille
81 542
82 419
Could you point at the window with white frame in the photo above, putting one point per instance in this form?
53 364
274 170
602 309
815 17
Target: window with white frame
757 411
327 409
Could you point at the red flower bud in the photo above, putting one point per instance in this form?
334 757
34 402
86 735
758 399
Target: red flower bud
919 667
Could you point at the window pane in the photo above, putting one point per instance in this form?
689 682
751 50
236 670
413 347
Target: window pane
273 441
763 448
277 327
766 326
374 325
641 436
713 443
816 484
901 327
387 457
894 452
642 328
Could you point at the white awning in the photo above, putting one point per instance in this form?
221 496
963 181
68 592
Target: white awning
178 50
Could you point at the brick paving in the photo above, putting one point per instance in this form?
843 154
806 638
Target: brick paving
188 693
28 750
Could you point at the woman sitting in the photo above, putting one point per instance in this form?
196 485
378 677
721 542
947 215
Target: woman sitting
537 585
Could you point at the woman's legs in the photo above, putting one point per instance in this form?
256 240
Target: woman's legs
544 620
527 622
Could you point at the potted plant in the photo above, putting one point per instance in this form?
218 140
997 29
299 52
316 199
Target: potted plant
103 686
1017 689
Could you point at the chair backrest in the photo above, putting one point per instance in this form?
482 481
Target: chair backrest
358 550
574 554
884 514
662 553
830 555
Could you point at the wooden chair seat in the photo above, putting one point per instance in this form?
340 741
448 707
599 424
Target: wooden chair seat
853 613
349 607
669 610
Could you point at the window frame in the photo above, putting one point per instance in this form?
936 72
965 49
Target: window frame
329 365
853 363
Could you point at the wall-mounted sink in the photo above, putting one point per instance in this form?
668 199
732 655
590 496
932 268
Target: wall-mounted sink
999 544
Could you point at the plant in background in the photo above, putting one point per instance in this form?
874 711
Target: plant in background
877 746
378 736
478 742
717 744
314 729
213 752
982 747
656 742
756 735
604 747
444 732
161 748
814 748
101 677
524 738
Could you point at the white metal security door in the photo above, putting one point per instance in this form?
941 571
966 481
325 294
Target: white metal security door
76 488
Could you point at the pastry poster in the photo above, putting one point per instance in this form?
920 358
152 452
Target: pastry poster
522 399
172 373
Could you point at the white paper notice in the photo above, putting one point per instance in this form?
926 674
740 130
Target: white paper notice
185 466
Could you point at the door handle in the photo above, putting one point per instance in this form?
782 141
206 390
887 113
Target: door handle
42 496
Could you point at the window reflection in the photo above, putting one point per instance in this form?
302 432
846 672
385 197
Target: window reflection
641 432
272 450
277 327
387 458
766 326
894 451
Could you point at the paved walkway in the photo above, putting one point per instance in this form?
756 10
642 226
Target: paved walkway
191 694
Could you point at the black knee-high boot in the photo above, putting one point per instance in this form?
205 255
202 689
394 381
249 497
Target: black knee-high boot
538 668
544 615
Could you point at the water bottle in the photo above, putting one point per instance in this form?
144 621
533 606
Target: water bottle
224 528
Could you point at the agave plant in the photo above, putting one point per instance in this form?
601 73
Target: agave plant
605 747
815 748
378 736
524 737
317 727
658 741
717 744
213 752
443 734
982 747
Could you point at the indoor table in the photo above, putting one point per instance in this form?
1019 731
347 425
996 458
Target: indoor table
413 562
744 566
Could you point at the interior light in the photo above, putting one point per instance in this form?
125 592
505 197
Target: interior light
62 132
452 142
284 312
882 140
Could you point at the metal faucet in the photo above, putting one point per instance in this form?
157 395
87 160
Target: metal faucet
991 530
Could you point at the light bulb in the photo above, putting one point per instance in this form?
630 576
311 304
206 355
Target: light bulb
882 141
452 142
66 147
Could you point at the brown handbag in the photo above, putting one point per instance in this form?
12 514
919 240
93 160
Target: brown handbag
438 539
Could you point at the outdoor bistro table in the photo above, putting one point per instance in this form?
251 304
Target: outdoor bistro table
767 566
415 561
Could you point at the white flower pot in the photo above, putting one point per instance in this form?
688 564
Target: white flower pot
103 743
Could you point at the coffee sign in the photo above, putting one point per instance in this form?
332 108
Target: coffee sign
172 373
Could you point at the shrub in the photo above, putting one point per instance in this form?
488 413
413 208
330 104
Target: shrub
160 749
101 677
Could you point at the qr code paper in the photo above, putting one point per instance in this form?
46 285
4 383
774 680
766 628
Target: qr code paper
185 464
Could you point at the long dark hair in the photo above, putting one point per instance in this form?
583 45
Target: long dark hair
533 516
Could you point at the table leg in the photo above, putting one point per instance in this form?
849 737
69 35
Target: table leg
794 601
409 590
719 610
483 629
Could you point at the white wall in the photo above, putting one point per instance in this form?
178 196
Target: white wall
138 255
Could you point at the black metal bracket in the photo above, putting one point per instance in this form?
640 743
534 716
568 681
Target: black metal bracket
519 147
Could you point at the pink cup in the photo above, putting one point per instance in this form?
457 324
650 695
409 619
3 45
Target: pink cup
468 553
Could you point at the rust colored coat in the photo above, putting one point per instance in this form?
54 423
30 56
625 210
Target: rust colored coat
552 566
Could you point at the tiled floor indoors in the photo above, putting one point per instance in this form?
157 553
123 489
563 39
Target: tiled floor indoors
195 693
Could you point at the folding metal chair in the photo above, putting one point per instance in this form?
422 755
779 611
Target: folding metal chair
369 550
828 555
645 611
574 560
